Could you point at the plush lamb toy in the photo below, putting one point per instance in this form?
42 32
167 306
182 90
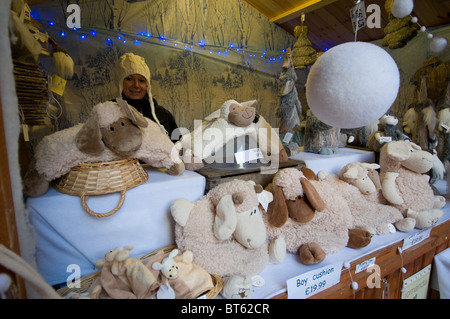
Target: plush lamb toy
114 131
359 184
312 217
388 131
235 120
183 278
123 277
226 232
405 185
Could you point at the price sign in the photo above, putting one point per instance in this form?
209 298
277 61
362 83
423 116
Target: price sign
314 281
358 16
416 238
248 155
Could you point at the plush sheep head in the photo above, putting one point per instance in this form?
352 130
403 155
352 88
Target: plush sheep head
168 266
294 196
238 214
359 175
239 114
116 257
410 156
112 125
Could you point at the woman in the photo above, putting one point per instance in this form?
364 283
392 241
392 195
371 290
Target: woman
134 87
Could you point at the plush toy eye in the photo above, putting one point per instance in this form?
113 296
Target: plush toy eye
111 128
122 123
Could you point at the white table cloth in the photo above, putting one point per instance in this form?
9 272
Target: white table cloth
335 162
440 277
276 276
69 236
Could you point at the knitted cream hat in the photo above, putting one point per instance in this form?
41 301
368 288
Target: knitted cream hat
129 64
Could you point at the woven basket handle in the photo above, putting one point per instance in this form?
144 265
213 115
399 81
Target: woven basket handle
84 198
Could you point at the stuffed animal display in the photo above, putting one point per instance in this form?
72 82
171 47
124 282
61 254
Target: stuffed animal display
226 232
235 120
290 109
312 217
388 131
404 184
359 184
322 138
114 131
160 276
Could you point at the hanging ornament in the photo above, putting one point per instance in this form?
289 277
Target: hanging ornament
303 54
352 85
402 8
438 44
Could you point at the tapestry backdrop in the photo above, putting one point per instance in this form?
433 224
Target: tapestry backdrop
200 53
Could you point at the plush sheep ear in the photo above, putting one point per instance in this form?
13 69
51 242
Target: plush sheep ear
277 211
375 177
398 150
252 103
157 266
351 173
309 174
134 115
313 196
370 166
89 137
173 254
226 220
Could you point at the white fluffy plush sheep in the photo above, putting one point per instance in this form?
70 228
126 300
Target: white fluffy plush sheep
233 120
114 131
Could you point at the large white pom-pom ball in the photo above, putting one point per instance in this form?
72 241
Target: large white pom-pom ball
352 85
402 8
438 44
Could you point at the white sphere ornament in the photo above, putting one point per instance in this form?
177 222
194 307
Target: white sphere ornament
402 8
438 44
352 85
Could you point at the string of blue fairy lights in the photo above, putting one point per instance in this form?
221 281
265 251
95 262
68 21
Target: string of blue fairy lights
200 47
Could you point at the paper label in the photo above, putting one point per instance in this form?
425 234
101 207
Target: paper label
385 139
248 155
364 265
358 15
416 238
314 281
58 85
26 136
416 286
287 137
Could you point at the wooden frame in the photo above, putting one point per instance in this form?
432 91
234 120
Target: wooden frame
390 262
8 228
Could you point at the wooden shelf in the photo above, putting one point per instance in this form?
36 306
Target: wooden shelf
389 260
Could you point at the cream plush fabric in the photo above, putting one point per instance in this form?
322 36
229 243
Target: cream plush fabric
57 153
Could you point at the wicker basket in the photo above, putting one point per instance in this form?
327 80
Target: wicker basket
89 179
86 281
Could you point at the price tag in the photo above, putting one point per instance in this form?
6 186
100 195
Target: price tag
287 137
385 139
358 16
314 281
364 265
248 155
416 238
58 85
